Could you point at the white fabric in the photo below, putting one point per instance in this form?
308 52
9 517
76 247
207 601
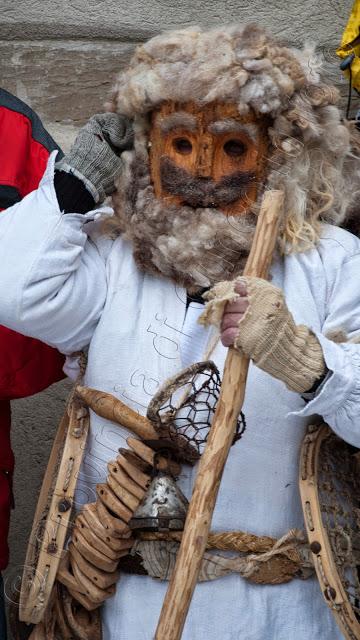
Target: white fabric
62 282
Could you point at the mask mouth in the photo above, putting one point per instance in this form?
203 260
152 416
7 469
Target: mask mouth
204 192
194 247
206 202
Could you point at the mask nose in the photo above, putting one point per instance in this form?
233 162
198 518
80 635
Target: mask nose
205 159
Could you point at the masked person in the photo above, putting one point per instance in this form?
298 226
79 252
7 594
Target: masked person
219 117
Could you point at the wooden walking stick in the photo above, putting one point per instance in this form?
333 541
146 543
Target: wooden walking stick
212 462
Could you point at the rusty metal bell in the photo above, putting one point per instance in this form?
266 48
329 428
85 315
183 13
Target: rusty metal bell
163 507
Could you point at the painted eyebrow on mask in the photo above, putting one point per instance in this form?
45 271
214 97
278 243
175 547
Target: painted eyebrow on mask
233 126
178 120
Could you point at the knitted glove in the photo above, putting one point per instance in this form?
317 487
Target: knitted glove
94 157
268 334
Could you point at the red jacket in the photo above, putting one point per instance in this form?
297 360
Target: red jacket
26 365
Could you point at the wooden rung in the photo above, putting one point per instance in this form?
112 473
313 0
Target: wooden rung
125 481
115 542
92 591
124 495
88 604
90 514
118 544
66 577
147 454
138 476
100 578
64 629
137 462
112 502
92 555
114 525
89 535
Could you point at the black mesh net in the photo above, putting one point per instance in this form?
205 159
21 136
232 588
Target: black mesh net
182 411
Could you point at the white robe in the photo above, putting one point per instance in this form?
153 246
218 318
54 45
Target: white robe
65 284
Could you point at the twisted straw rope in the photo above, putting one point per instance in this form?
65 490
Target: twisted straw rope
241 541
274 561
225 541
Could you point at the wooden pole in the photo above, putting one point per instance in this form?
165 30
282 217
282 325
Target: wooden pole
212 462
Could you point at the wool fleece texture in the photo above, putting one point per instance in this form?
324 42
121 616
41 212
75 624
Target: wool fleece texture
312 150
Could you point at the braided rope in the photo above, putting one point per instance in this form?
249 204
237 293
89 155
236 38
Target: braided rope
225 541
270 561
287 544
241 541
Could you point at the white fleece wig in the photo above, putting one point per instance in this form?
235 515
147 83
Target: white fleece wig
311 156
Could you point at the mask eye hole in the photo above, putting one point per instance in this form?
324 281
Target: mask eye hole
234 148
183 146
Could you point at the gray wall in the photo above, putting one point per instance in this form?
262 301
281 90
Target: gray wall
61 58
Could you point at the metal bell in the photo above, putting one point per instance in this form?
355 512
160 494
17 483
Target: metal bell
163 507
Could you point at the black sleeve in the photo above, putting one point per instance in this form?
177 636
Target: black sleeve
310 394
72 195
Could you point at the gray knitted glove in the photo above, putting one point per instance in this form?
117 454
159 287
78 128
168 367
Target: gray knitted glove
95 157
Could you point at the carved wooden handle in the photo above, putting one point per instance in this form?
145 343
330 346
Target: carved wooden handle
211 466
107 406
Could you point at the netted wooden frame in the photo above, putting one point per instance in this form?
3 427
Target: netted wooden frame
330 494
182 410
53 513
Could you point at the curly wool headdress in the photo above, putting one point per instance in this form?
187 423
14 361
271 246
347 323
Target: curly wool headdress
311 156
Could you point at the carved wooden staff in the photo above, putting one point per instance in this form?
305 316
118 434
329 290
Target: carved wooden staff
211 465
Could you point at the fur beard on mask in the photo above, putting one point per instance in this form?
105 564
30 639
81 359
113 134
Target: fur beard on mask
195 247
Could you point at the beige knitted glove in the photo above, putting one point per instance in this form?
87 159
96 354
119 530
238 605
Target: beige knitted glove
268 334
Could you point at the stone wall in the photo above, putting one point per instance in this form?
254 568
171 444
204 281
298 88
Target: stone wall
61 58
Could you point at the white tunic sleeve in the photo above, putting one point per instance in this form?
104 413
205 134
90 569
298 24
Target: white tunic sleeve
52 282
338 400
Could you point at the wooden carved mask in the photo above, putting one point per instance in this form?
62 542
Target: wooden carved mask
207 156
